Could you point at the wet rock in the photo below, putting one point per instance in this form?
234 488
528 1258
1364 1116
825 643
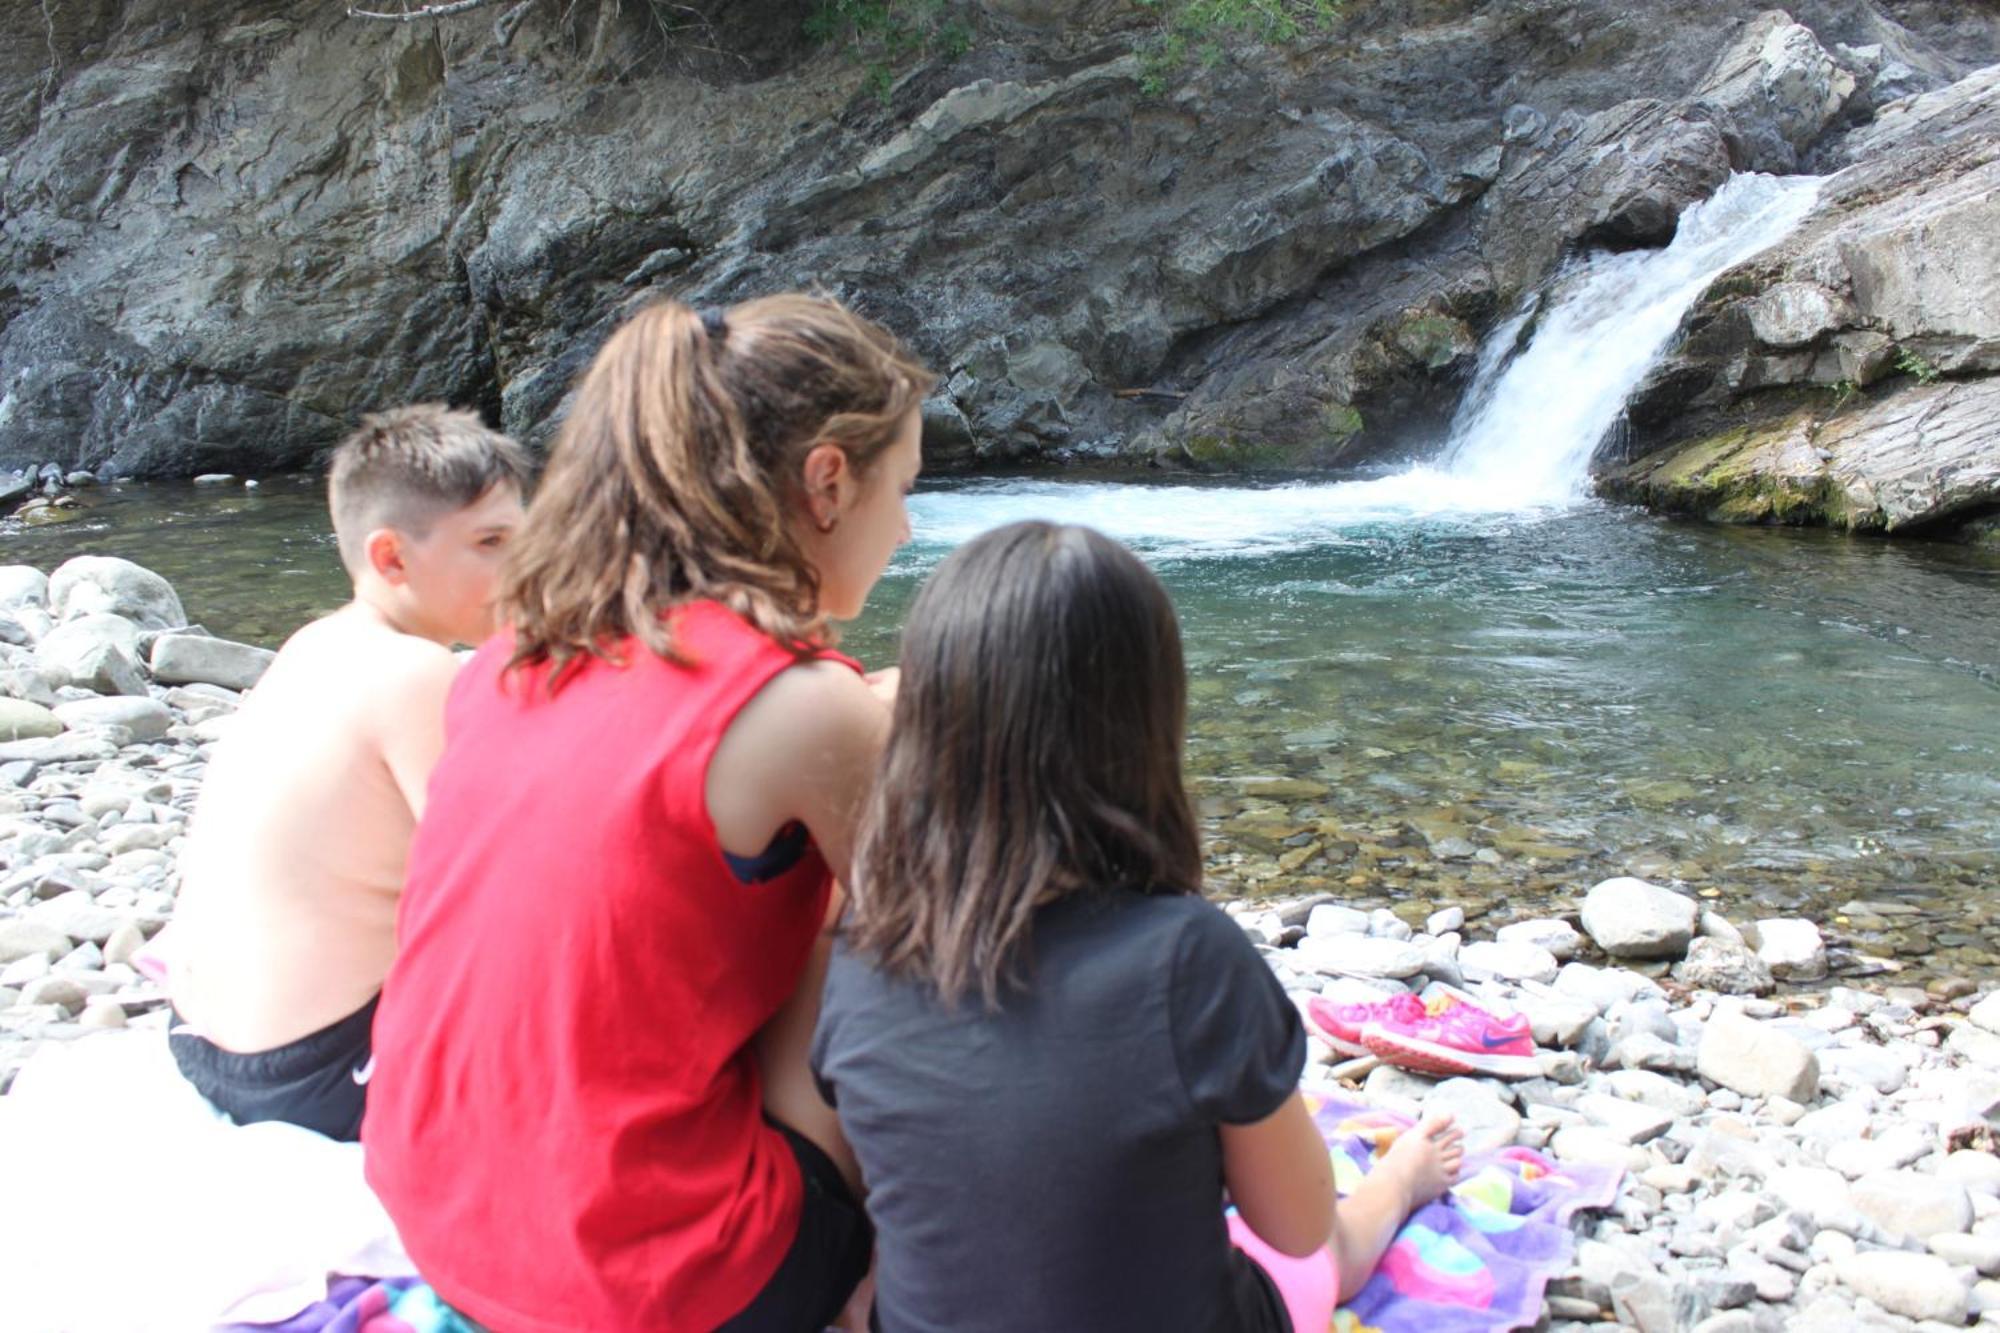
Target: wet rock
1791 948
1755 1059
1629 918
1916 1286
92 585
183 659
21 720
1730 969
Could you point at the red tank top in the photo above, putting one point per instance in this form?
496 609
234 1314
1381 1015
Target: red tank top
564 1119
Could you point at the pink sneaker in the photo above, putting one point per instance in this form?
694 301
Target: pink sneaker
1343 1026
1453 1036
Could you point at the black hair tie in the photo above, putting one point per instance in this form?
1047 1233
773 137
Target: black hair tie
714 324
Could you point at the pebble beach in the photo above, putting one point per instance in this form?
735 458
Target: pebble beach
1807 1146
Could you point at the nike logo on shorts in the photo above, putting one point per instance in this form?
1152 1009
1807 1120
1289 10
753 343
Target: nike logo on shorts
365 1072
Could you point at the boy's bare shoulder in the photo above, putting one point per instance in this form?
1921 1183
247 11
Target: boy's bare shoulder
358 657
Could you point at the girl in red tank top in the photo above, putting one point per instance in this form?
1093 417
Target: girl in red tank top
590 1109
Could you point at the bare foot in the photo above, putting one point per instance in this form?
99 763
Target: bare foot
1427 1159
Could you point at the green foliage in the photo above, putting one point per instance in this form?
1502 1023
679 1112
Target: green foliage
885 34
1844 392
1199 28
1916 367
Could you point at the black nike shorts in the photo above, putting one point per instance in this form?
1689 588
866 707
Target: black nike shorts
319 1082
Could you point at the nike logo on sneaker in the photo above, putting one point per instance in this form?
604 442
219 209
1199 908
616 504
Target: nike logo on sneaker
1493 1043
365 1072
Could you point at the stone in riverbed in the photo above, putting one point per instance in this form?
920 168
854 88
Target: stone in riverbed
1730 969
21 720
1509 960
1554 934
105 584
1980 1252
1329 920
1557 1020
1657 1091
1630 1121
77 916
1489 1123
1913 1204
1360 956
21 938
1755 1059
22 585
1916 1286
1978 1171
94 652
1791 948
147 719
1987 1013
1629 918
195 659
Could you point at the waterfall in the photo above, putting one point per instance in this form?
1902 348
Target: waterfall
1527 428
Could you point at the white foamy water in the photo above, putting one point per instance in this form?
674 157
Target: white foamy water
1530 424
1519 448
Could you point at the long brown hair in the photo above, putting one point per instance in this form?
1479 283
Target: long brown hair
677 472
1036 753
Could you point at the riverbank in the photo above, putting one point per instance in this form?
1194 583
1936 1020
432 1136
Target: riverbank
1801 1155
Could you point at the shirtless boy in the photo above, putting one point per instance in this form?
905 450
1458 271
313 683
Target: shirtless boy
286 922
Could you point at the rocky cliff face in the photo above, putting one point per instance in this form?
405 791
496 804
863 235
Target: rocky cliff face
228 228
1848 376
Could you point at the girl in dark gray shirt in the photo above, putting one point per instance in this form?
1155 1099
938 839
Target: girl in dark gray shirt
1050 1055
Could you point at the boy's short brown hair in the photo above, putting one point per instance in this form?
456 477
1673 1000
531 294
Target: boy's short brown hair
405 468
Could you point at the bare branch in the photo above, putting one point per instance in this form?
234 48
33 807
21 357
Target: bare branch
421 12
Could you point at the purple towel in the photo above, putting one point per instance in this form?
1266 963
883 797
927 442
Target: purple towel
1477 1260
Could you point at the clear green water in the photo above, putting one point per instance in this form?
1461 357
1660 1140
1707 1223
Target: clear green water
1786 721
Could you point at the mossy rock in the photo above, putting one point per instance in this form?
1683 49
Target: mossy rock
1768 472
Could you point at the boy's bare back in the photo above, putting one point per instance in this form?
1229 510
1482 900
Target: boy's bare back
287 913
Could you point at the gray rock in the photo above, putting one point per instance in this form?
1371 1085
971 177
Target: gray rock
1778 89
1444 921
1729 969
77 916
1755 1059
29 684
1360 956
1916 1286
23 939
21 720
1553 934
1986 1013
1668 1095
1627 1120
184 659
63 992
94 652
92 585
22 585
1557 1020
1792 948
1909 1203
1629 918
1489 1123
147 719
1980 1252
1329 920
1978 1171
1509 960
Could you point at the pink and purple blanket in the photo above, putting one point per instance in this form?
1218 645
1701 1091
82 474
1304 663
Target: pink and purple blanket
1477 1260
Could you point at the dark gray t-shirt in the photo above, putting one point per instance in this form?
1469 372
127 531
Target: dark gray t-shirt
1056 1166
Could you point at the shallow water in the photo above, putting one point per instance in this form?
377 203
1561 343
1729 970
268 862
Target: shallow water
1405 700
